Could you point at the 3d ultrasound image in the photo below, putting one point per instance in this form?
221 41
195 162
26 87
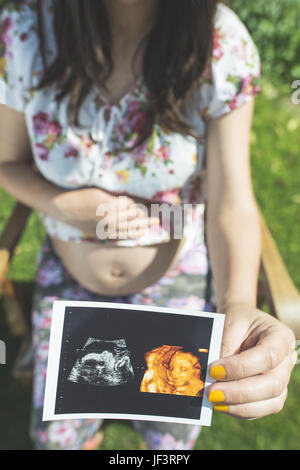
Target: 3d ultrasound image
172 370
102 363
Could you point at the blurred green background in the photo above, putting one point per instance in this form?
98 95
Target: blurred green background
275 162
274 26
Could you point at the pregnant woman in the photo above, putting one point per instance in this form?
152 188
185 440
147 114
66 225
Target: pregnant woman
109 101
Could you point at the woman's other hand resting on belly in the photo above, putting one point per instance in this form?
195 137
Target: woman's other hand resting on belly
78 207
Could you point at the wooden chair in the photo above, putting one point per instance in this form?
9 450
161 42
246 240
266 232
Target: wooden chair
16 303
275 287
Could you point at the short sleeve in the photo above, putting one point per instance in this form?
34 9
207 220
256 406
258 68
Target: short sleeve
18 47
234 72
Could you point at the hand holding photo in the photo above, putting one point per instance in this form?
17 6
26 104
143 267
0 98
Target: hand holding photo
120 361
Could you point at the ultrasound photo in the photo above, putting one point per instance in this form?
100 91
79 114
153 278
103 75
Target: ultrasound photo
173 371
110 360
102 362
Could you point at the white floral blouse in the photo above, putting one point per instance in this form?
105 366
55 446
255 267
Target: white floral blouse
168 167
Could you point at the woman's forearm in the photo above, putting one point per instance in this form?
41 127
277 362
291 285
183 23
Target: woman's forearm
77 207
26 185
234 244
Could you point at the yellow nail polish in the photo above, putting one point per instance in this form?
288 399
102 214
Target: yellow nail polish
216 396
223 408
217 372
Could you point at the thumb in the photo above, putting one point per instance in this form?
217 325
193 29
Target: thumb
233 336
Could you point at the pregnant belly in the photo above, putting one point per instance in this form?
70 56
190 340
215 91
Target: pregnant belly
116 270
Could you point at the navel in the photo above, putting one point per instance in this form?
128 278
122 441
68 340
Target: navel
117 272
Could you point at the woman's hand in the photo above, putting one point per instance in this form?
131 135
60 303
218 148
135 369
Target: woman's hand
104 215
257 358
80 208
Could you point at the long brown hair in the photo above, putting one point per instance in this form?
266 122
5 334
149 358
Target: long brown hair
176 52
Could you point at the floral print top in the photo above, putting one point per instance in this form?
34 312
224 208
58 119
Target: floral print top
168 167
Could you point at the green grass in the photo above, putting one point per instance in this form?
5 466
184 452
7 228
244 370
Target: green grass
276 175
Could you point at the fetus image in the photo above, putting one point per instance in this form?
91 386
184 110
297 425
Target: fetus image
173 371
102 363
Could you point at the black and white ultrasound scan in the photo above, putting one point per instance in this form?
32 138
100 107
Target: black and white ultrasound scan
103 363
111 360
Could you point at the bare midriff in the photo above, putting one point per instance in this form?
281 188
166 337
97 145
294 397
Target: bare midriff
112 270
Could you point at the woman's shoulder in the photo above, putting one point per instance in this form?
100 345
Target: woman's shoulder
233 43
19 23
17 15
233 73
21 64
227 17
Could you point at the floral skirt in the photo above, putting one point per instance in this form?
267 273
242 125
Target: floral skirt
188 285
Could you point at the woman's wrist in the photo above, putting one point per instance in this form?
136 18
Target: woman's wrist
235 305
76 206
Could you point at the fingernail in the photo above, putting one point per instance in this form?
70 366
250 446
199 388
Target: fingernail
216 396
223 408
217 372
